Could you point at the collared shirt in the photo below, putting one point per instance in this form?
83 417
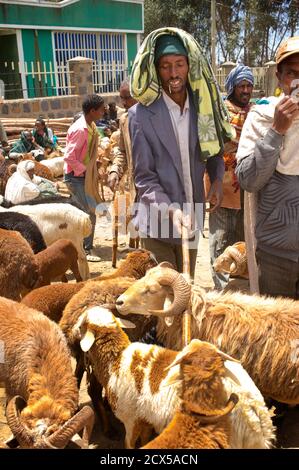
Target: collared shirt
76 147
180 123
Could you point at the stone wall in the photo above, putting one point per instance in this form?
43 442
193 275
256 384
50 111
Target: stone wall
51 107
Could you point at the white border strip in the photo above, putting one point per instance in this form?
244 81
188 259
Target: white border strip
43 3
68 28
21 62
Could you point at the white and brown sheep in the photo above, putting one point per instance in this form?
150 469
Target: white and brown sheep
27 228
262 332
202 421
96 293
40 386
18 267
57 221
51 300
135 377
54 261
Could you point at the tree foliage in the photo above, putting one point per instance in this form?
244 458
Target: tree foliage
248 31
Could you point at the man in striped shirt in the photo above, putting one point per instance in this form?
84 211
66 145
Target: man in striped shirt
268 166
226 225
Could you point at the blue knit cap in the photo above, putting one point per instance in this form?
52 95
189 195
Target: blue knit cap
236 75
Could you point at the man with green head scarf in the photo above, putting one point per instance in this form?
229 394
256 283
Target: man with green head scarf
167 154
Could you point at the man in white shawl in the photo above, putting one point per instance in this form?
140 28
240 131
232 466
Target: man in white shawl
268 166
24 185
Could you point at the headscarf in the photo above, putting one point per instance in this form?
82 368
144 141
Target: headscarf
22 145
236 75
23 167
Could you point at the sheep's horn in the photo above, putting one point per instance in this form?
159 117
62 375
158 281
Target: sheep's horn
214 414
13 409
236 255
181 290
84 418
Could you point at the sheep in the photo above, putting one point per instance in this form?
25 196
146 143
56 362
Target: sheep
26 227
7 167
201 422
55 260
40 386
233 261
96 293
55 165
18 267
262 332
135 378
57 221
51 300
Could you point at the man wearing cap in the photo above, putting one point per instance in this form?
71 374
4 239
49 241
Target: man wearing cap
268 165
169 158
226 225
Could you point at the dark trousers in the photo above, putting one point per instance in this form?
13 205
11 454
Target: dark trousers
277 276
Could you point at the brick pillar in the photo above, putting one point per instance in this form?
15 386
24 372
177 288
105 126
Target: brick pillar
271 82
81 76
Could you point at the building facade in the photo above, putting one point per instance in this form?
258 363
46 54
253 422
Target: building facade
38 37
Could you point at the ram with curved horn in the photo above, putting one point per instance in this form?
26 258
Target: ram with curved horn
41 389
147 295
261 332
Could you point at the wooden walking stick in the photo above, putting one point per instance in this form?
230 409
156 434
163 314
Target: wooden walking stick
186 271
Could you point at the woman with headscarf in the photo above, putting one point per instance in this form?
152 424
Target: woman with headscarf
24 145
43 135
23 185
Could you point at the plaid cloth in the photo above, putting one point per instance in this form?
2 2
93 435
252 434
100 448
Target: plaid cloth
213 119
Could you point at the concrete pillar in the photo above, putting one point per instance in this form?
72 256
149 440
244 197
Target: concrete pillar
223 72
271 82
81 76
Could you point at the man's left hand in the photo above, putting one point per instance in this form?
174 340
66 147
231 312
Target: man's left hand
215 195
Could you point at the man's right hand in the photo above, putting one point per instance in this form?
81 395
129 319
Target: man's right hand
113 180
285 113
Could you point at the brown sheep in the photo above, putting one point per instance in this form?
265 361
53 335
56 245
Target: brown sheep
51 300
55 260
262 332
18 267
7 168
40 386
202 421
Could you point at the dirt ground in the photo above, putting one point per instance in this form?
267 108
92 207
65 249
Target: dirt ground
288 421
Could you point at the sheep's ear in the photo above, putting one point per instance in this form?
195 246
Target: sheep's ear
233 267
87 341
168 320
126 323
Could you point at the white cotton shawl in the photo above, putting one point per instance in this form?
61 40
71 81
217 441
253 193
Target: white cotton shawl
257 124
20 187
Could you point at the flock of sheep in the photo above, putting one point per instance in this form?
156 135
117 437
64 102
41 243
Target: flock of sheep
209 394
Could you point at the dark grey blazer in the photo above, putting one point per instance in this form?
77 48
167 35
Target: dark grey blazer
157 162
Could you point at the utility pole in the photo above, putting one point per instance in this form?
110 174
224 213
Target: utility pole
213 35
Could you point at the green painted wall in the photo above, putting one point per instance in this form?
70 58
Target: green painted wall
132 49
37 47
10 76
84 14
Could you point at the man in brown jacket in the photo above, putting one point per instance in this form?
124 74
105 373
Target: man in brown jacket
122 161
